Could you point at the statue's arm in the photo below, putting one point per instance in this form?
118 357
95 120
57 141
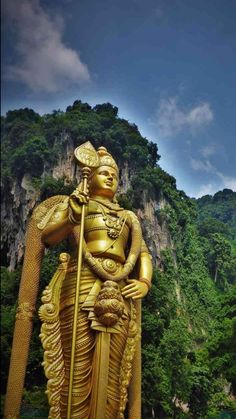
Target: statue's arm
58 228
63 220
145 269
139 287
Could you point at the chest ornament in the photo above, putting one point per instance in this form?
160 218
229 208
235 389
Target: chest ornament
114 225
112 220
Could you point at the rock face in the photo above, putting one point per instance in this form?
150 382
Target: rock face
17 206
155 234
66 166
19 202
124 178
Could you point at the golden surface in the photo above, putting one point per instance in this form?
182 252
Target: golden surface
51 338
27 294
115 273
87 155
25 311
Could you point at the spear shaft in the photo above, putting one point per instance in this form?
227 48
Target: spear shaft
85 173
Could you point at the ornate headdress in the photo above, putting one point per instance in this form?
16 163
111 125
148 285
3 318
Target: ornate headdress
86 155
106 159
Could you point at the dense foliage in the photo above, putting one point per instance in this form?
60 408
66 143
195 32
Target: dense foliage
29 142
217 227
189 323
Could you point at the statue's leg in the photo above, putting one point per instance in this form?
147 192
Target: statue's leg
82 384
85 344
117 347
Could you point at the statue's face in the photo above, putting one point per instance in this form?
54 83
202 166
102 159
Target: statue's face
104 182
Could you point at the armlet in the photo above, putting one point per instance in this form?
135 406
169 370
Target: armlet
44 215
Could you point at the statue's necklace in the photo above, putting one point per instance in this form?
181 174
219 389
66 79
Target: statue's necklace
110 205
113 222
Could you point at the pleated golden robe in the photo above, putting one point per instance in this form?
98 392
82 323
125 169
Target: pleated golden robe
103 355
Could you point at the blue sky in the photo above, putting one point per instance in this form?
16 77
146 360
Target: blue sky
169 66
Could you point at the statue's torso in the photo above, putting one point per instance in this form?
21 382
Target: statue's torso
106 231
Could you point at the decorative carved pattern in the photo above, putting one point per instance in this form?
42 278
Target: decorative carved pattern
109 305
87 155
106 159
126 363
51 338
25 311
42 214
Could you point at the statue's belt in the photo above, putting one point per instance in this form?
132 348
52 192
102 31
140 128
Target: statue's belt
109 265
88 299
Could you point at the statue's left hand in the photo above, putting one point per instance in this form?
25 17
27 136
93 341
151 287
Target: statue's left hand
135 289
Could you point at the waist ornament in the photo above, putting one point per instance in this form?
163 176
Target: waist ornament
109 265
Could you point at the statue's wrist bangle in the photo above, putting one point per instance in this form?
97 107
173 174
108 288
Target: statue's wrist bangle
146 281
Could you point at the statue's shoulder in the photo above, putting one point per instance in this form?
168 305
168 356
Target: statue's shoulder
132 216
46 209
94 207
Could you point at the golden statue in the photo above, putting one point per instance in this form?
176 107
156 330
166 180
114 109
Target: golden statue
91 308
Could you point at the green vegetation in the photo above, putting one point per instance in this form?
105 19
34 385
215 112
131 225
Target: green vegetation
29 141
220 207
189 331
189 319
216 224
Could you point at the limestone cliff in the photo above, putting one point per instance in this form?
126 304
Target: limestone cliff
21 198
17 205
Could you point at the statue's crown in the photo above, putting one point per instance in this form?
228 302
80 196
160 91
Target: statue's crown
106 159
86 155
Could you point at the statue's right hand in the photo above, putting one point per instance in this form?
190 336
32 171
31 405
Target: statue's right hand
80 196
77 199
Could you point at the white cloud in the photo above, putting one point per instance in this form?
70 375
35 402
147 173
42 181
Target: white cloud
220 181
170 119
207 189
227 181
204 166
211 189
208 150
44 62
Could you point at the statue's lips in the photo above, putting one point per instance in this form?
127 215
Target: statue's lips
109 183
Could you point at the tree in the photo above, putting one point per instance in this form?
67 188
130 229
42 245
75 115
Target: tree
30 158
221 253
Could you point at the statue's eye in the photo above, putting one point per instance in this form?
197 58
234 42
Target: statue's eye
105 173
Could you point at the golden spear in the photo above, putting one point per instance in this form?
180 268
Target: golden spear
87 158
